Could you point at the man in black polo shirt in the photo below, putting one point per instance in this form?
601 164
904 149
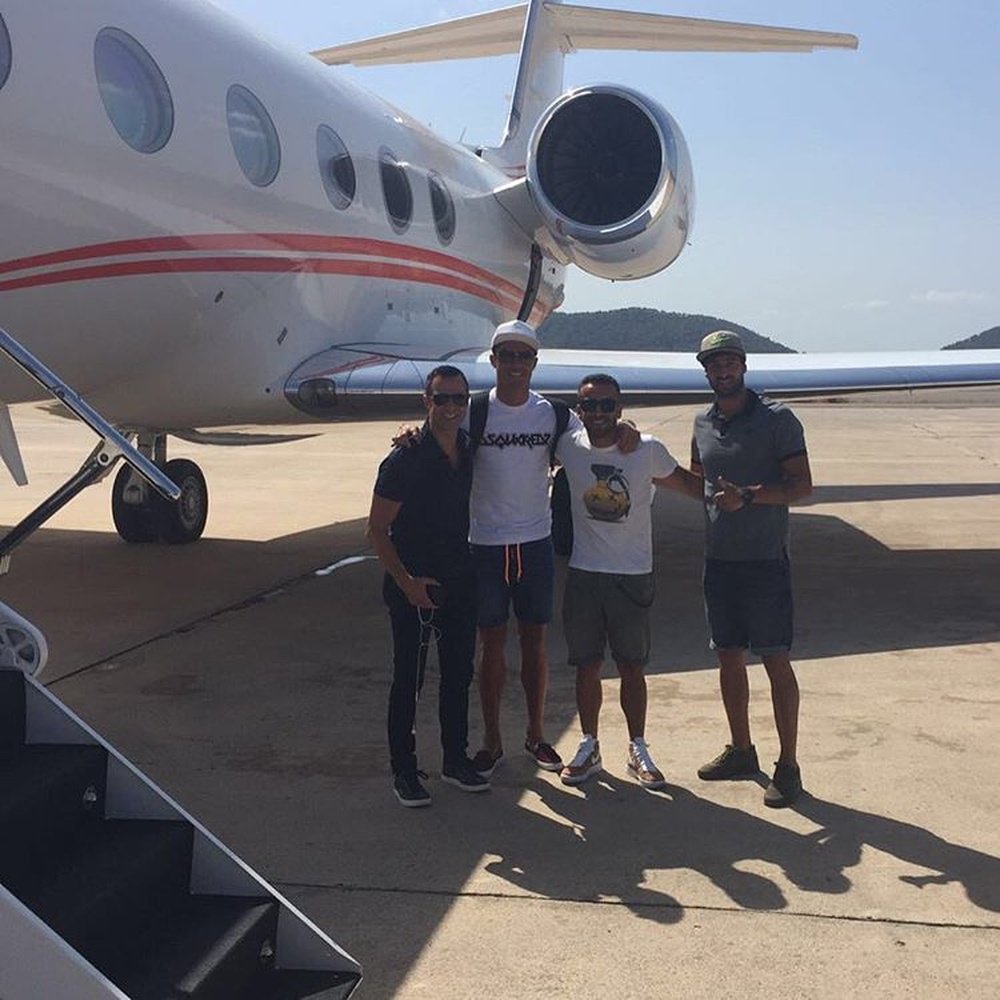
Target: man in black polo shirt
419 528
752 454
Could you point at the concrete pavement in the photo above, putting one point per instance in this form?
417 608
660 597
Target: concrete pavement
254 688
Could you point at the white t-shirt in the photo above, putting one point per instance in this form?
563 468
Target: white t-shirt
611 498
510 480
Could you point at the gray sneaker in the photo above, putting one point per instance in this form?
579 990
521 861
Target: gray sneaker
731 763
785 786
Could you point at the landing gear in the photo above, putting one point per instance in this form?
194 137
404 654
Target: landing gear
183 520
142 515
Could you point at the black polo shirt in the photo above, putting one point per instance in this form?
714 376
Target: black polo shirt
431 530
746 449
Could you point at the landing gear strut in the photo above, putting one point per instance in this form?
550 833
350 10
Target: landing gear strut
143 515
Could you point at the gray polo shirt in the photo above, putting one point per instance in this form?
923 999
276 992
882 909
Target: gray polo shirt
746 450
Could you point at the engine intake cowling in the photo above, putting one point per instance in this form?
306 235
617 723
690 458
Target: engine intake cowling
609 174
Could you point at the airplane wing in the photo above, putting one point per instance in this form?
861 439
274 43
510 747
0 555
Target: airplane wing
499 32
360 378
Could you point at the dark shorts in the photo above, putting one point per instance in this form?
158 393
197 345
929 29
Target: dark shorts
607 609
749 604
519 574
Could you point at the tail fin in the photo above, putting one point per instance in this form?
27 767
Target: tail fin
544 31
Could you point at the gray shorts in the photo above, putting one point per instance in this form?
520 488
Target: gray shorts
607 609
749 604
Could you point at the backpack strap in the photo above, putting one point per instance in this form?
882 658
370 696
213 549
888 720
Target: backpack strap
562 422
479 404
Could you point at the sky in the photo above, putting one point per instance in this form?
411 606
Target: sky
846 200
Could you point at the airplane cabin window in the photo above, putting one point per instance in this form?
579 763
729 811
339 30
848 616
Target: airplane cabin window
253 135
336 168
443 207
134 91
5 53
396 190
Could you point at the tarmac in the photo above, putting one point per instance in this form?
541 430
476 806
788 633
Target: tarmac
248 675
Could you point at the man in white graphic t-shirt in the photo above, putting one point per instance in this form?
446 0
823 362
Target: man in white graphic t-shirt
609 584
510 532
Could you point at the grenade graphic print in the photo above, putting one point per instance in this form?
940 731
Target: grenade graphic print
608 499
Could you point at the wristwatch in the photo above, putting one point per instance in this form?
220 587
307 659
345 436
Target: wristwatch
746 495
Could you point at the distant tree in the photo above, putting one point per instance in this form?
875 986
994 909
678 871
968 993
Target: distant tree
987 339
638 329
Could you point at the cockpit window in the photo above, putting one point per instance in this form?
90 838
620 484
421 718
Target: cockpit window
5 53
253 135
442 206
396 190
134 91
336 168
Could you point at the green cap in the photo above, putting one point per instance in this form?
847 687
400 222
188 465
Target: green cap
721 341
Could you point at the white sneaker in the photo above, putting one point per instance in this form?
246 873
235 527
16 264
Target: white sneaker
585 762
640 764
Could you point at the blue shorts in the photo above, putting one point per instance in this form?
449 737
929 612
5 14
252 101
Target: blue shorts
749 604
522 574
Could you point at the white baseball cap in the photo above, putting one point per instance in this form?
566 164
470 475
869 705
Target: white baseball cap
517 332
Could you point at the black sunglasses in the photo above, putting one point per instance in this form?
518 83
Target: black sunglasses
458 398
509 356
598 405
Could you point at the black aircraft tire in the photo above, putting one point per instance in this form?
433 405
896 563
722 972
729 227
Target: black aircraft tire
134 522
183 521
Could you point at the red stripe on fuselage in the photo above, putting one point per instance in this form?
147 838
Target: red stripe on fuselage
276 265
304 243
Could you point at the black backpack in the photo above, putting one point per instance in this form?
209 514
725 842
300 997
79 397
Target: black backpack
562 521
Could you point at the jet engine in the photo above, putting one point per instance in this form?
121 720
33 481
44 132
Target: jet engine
609 174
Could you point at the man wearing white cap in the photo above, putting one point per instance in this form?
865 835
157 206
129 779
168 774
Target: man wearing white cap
510 532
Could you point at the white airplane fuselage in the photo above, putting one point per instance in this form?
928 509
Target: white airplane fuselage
172 291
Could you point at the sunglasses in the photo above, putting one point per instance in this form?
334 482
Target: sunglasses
508 356
458 398
597 405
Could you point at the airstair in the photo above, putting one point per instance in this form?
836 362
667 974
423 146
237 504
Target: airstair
108 888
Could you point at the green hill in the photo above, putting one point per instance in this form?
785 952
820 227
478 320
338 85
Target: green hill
644 330
988 338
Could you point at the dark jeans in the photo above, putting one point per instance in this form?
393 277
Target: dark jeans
453 628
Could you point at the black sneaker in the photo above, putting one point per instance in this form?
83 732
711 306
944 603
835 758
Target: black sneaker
487 761
731 763
410 792
785 787
463 774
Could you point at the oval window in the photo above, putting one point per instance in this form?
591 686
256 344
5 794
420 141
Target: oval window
6 56
396 191
134 91
253 135
443 207
336 168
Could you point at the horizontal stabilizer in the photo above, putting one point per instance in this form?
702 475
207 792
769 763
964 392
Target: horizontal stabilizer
499 32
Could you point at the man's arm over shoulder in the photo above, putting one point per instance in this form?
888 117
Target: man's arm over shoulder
690 484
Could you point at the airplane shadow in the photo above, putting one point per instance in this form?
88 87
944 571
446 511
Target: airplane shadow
853 594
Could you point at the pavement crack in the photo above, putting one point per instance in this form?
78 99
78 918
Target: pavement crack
635 905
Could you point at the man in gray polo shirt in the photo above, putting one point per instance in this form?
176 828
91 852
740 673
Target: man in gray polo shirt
752 454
